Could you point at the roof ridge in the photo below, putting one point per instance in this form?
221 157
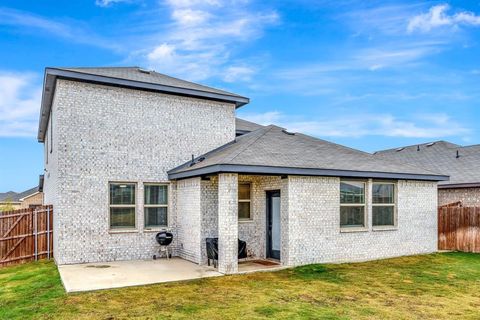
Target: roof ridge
372 156
229 158
419 144
333 143
113 67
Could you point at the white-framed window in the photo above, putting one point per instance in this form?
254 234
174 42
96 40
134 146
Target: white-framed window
352 204
155 205
383 204
122 205
244 201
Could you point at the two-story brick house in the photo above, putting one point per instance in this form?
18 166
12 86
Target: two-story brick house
129 152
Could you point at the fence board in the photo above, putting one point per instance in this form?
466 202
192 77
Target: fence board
26 235
459 228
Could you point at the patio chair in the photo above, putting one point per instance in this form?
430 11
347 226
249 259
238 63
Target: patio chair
212 250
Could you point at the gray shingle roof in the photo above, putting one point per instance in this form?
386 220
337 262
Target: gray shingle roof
441 156
244 126
16 196
147 76
275 148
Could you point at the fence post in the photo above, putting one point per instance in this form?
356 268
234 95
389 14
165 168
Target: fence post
35 234
48 233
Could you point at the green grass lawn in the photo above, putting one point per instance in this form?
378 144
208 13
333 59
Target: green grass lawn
438 286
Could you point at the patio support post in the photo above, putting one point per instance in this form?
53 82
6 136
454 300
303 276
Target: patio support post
228 223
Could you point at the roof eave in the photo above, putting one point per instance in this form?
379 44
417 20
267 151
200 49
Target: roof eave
271 170
51 75
459 185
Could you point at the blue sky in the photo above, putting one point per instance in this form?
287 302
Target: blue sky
367 74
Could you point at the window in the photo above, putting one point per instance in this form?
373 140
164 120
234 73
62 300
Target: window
156 205
122 205
244 201
383 204
352 204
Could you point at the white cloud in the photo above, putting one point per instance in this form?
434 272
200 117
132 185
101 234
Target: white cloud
39 25
363 125
190 17
191 3
236 73
200 41
106 3
437 17
19 104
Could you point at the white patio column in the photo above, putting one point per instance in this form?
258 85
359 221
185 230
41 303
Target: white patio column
228 223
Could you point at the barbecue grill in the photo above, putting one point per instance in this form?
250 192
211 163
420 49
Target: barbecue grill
164 239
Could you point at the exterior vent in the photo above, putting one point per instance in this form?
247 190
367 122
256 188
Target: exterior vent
400 149
289 133
144 71
430 144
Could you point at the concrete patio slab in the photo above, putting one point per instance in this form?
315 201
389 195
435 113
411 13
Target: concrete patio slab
98 276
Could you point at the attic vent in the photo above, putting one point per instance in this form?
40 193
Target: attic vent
289 133
430 144
195 161
144 71
400 149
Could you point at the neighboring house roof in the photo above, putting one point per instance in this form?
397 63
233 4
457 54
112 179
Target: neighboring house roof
272 150
17 196
7 196
244 126
441 156
130 77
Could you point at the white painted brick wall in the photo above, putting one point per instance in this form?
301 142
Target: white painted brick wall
189 219
228 223
209 203
104 134
314 224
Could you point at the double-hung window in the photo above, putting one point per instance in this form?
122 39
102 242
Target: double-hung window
122 205
244 199
383 204
352 204
156 205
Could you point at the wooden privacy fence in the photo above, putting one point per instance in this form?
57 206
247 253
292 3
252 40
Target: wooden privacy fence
459 229
26 235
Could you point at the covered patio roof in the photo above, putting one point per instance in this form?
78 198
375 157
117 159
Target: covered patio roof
275 151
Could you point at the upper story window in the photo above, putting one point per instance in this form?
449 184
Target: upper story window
352 204
122 205
156 205
244 201
383 204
